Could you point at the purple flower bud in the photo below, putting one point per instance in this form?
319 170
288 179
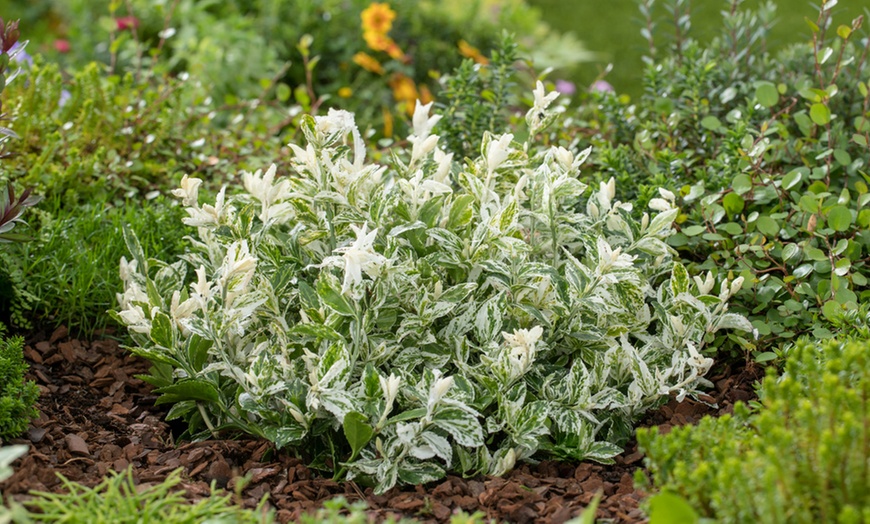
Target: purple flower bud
18 54
64 98
565 87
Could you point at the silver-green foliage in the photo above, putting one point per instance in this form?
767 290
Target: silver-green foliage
425 316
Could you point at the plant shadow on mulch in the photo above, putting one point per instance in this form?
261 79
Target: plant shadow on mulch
97 417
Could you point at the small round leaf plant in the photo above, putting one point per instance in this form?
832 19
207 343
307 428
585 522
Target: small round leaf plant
396 322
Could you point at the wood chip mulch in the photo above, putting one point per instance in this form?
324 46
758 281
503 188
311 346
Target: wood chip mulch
97 417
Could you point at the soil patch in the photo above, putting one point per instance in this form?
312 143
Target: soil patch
97 417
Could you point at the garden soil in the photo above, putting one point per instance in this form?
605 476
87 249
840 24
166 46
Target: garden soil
96 417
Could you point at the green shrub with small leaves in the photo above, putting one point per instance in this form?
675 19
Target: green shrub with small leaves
800 455
768 155
17 395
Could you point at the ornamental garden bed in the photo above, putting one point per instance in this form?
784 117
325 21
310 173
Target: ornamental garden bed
394 263
96 417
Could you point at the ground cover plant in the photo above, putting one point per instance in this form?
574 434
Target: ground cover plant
796 456
403 321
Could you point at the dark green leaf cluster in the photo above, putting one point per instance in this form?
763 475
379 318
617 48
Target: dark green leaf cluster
477 98
800 456
17 396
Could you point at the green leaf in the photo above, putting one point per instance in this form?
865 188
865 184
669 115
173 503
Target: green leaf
766 356
820 114
588 515
461 212
330 294
357 431
161 330
679 279
419 474
792 179
741 184
711 122
662 220
411 414
282 436
789 251
733 203
694 230
815 253
839 218
768 226
766 94
283 92
187 389
668 508
844 32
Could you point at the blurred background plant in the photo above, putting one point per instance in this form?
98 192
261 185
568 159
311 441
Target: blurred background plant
373 58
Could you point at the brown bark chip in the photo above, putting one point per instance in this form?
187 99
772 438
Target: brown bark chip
77 445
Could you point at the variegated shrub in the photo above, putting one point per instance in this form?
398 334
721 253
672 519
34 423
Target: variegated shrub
397 322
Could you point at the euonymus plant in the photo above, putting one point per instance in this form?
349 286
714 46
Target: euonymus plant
397 322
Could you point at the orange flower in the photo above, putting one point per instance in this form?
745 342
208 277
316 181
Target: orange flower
368 62
345 92
469 51
404 91
395 51
377 41
388 122
425 95
378 18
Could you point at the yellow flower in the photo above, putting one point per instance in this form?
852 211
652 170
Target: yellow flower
404 89
378 18
377 41
469 51
345 92
368 62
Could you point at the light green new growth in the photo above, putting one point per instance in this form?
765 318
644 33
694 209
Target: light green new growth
117 500
801 457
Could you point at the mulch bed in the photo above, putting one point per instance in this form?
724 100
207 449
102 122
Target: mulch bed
97 417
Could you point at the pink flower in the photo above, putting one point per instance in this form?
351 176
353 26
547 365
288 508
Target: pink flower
127 22
565 87
62 46
601 86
